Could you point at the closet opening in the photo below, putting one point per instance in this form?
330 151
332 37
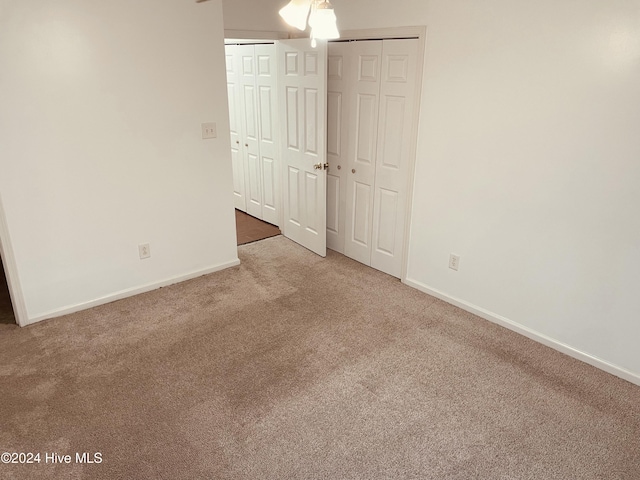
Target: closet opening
251 89
372 92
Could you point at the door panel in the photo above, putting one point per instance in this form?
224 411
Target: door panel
267 102
302 84
333 209
361 213
291 118
387 216
312 223
294 196
250 124
269 188
366 124
392 176
255 190
392 131
334 121
364 97
337 142
311 107
233 92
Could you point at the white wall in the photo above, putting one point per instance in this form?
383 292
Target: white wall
100 112
528 163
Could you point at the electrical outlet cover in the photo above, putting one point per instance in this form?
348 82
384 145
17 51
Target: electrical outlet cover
209 130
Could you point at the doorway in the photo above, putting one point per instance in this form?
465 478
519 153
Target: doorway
7 317
250 68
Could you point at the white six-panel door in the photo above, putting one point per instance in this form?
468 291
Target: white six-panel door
235 123
303 96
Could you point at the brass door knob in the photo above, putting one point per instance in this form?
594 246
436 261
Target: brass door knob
353 170
339 167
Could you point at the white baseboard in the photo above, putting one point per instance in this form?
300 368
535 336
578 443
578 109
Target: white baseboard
129 293
529 333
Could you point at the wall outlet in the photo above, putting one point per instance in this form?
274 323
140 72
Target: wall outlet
209 130
144 250
454 261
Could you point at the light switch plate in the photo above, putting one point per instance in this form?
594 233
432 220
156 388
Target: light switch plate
209 130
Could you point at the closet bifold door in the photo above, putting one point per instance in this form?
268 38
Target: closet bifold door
253 109
232 57
338 65
250 141
392 170
266 95
371 107
364 93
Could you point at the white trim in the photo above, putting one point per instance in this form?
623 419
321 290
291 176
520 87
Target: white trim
11 271
129 292
418 31
529 333
388 32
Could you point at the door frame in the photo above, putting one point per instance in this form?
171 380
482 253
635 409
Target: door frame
11 271
419 33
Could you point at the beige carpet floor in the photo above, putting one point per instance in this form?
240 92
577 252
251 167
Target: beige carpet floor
295 367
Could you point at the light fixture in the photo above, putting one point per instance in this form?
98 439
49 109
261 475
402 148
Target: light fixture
295 13
322 18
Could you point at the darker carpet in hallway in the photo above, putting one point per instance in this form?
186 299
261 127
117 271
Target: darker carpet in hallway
251 229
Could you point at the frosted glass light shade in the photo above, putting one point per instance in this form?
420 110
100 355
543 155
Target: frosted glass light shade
295 13
323 22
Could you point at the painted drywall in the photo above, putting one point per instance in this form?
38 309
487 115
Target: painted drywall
527 163
101 105
258 15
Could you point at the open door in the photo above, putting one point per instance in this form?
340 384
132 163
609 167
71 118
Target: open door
302 88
